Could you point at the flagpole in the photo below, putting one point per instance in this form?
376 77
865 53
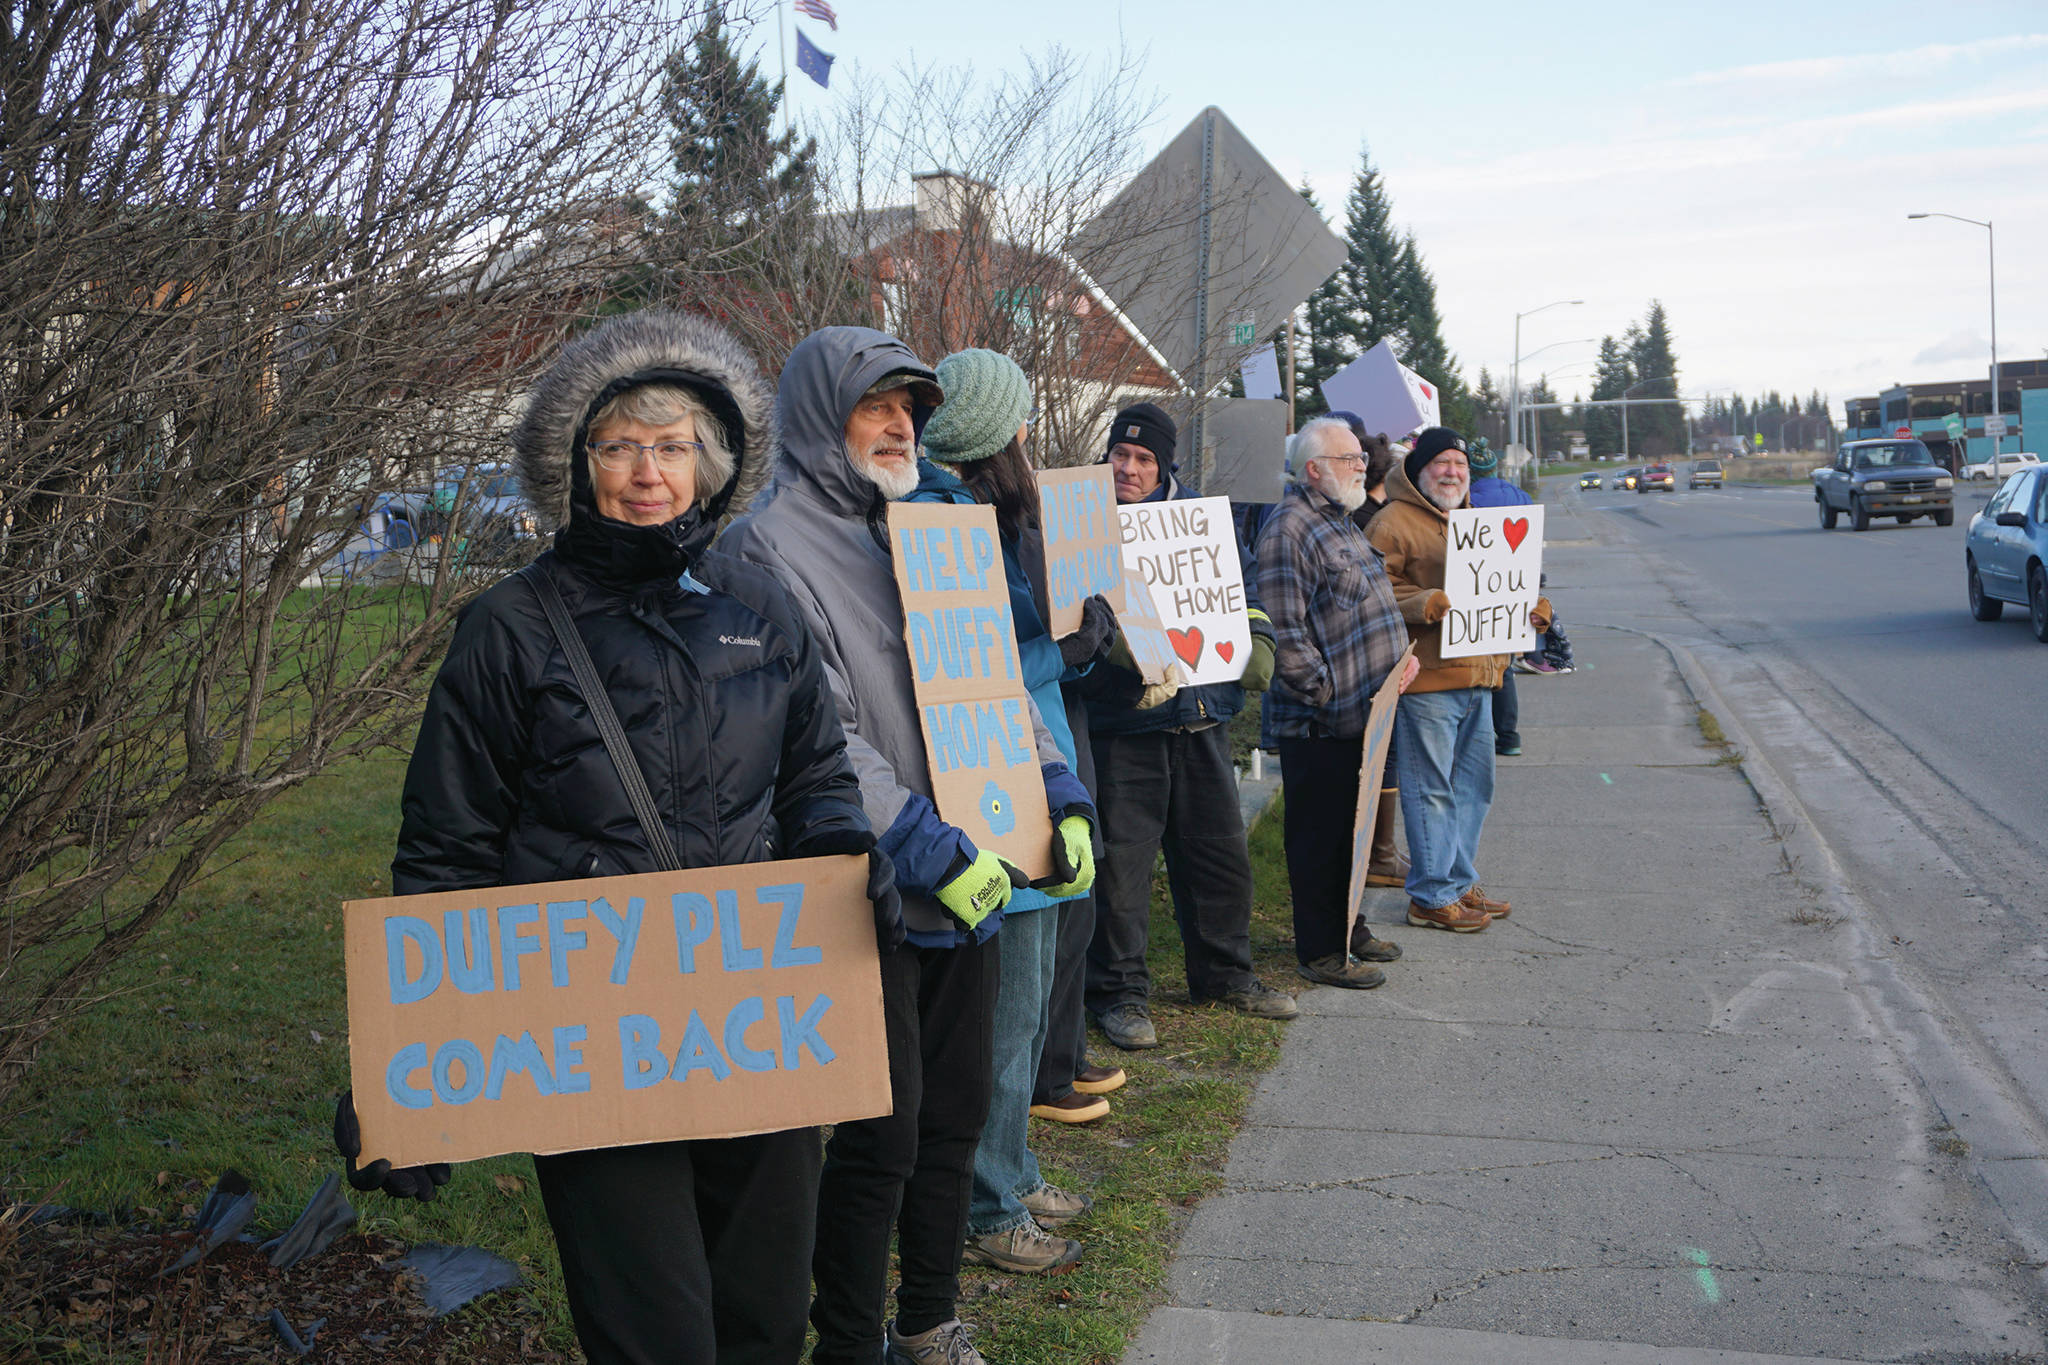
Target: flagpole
782 60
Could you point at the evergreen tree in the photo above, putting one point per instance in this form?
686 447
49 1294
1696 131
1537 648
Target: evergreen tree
1611 376
1421 344
1660 430
732 177
1358 306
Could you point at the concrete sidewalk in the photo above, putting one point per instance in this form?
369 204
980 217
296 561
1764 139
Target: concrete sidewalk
1652 1117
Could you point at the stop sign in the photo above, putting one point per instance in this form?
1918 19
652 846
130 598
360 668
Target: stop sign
1903 431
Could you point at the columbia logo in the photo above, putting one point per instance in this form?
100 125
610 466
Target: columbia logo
739 640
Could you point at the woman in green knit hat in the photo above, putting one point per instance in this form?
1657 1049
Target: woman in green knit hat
974 453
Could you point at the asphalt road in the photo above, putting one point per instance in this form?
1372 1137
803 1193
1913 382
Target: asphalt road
1913 745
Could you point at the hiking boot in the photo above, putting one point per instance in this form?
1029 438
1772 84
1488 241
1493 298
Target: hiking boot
1370 949
1507 750
1027 1249
1395 874
1128 1026
1257 999
1384 865
1338 969
1072 1107
946 1344
1099 1080
1477 899
1457 917
1051 1206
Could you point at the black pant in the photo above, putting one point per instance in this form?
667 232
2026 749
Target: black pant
1507 714
909 1170
1065 1053
1177 789
693 1251
1320 780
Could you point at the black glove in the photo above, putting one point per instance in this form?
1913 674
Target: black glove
1092 639
881 878
406 1182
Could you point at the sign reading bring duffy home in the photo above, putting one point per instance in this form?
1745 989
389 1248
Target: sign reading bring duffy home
1185 553
1493 575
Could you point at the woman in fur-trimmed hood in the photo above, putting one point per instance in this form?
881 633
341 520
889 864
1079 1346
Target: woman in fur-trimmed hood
632 444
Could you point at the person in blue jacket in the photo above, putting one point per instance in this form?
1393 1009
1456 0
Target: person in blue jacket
975 454
1489 489
1165 778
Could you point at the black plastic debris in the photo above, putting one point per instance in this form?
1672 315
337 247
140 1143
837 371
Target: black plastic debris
326 1218
225 1213
455 1275
299 1344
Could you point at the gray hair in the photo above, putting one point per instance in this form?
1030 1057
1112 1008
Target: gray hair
1312 442
657 405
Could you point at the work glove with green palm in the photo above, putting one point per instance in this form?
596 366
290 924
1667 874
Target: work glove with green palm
1073 858
980 887
1258 666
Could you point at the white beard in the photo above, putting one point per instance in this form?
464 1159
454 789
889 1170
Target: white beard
1446 502
1348 498
895 484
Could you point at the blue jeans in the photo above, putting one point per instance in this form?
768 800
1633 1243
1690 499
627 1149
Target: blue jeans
1004 1168
1443 748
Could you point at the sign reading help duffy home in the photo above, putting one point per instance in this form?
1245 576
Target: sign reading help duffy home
1493 575
971 700
614 1010
1084 552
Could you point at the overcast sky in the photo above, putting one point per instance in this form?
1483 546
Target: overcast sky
1749 164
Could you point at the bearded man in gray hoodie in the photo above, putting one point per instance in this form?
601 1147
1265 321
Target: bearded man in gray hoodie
851 403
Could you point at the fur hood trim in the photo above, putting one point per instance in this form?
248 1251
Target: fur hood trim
657 345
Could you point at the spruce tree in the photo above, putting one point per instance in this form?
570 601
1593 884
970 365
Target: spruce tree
1358 306
1421 343
1611 376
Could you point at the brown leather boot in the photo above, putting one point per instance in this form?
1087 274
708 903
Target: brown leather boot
1477 899
1386 866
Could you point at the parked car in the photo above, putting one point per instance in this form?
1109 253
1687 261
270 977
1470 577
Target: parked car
1626 479
373 553
1591 480
1705 474
2005 548
1657 476
494 517
1893 477
2006 464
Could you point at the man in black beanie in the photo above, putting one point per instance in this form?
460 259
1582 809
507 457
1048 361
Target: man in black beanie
1164 778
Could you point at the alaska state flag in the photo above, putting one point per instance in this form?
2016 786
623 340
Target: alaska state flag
813 60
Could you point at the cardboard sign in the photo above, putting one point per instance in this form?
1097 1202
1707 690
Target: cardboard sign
1142 629
1386 395
1372 768
978 733
1084 552
614 1010
1493 575
1185 551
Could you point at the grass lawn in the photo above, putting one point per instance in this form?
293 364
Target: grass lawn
224 1042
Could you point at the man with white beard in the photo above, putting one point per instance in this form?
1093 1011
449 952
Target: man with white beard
1443 732
1337 634
851 402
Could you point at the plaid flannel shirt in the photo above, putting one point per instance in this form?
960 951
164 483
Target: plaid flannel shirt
1337 629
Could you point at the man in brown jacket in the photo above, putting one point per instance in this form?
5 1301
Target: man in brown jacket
1443 731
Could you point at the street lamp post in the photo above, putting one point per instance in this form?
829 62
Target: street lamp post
1991 251
1515 370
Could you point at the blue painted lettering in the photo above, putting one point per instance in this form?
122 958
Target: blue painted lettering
512 945
744 1016
785 953
518 1054
469 960
693 927
400 930
397 1077
563 940
737 956
445 1059
624 929
803 1033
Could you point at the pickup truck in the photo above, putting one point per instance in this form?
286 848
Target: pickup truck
2006 464
1895 477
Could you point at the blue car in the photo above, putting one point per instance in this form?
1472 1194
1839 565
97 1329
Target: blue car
2006 549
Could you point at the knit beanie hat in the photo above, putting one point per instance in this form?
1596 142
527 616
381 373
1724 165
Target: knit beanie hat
987 399
1482 457
1430 442
1147 425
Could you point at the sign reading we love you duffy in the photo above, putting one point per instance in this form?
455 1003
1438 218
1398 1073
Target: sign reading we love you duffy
1185 552
971 700
614 1010
1493 575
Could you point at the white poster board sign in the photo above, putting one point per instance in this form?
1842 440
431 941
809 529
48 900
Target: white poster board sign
1493 574
1185 552
1261 373
1386 395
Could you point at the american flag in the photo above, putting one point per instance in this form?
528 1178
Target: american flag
819 10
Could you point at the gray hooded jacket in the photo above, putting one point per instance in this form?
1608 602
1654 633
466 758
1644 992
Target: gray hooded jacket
820 528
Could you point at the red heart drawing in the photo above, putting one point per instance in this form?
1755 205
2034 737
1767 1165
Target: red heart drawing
1186 643
1515 529
1224 649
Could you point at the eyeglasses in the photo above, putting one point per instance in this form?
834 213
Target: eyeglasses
1358 460
617 456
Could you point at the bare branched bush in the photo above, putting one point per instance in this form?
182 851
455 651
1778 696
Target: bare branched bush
257 264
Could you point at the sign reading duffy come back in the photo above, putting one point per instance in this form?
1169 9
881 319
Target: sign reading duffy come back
614 1010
